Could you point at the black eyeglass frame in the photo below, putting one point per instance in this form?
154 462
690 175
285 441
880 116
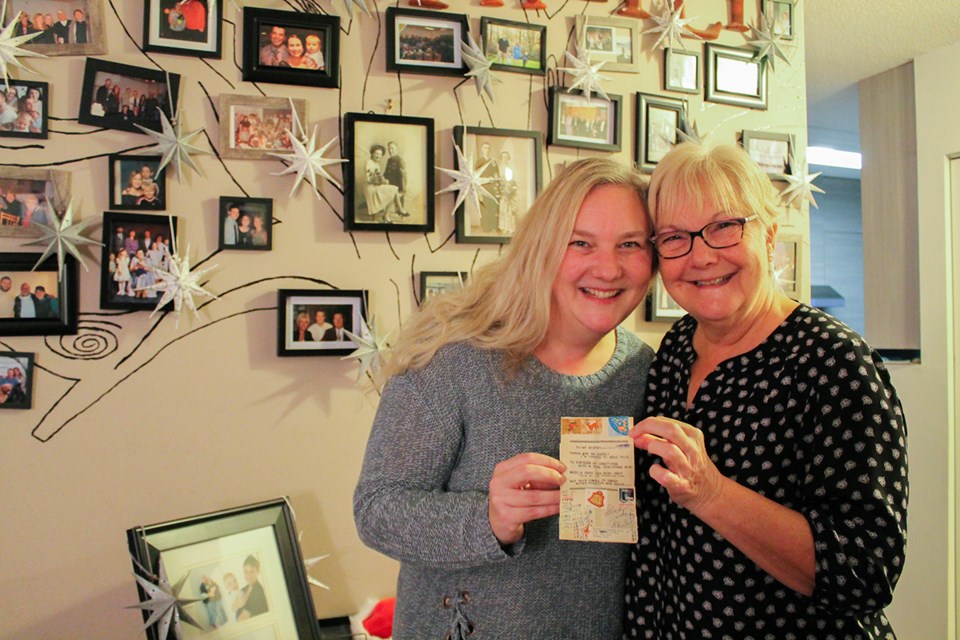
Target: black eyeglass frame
742 221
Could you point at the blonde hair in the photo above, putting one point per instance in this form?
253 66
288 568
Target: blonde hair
506 305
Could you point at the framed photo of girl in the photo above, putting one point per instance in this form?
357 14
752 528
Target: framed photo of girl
246 223
389 176
73 28
135 245
253 127
511 160
183 27
16 380
136 183
312 322
35 300
23 109
118 96
427 42
289 47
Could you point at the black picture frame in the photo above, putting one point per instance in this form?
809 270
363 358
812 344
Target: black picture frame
123 169
93 34
734 75
515 150
22 268
658 119
770 150
16 380
434 283
256 239
28 100
167 28
194 548
150 84
504 39
574 118
259 27
442 31
677 72
293 304
111 270
403 186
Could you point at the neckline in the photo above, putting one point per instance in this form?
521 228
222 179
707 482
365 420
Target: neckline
602 374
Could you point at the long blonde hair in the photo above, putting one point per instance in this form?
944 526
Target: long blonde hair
506 305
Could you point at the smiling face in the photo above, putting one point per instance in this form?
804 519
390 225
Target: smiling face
277 36
295 47
313 43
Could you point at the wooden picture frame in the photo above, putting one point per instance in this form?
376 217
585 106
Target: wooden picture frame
253 127
300 331
586 123
136 182
265 60
425 34
613 41
56 316
29 101
183 27
102 105
16 379
93 34
124 277
657 122
517 47
733 75
254 235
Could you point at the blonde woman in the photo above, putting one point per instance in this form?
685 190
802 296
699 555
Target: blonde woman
460 481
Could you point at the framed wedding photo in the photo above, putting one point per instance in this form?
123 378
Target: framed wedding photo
289 47
514 46
75 28
734 76
135 245
249 555
34 301
435 283
427 42
587 123
613 41
771 151
658 119
313 322
16 379
253 127
245 223
120 96
23 109
137 183
183 27
510 160
681 70
389 174
30 196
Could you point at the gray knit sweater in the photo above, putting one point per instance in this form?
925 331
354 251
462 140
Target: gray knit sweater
422 498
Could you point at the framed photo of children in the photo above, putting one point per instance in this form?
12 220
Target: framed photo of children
314 322
241 571
66 28
120 96
588 123
29 197
253 127
426 42
135 245
514 46
389 176
658 119
34 301
289 47
136 182
511 160
23 112
613 41
16 380
246 223
183 27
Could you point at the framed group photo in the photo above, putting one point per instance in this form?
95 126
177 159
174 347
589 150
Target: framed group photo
735 76
121 96
435 283
242 572
23 109
771 151
658 119
586 122
137 182
681 70
246 223
613 41
427 42
183 27
135 245
511 160
514 46
66 27
16 380
29 197
289 47
35 300
313 322
389 175
253 127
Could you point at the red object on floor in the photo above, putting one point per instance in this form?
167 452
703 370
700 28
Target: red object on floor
380 621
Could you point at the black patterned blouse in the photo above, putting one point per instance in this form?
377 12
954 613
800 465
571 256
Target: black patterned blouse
808 419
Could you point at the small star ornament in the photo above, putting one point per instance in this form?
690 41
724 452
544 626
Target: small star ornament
688 132
180 284
370 349
468 181
10 48
670 25
586 76
479 66
348 4
308 564
767 42
166 606
307 161
174 145
64 237
800 185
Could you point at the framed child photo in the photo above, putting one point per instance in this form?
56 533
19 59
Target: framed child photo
183 27
23 109
35 299
253 127
420 41
585 122
121 96
389 177
314 322
66 28
658 119
613 41
520 47
290 47
16 380
246 223
29 197
135 245
137 183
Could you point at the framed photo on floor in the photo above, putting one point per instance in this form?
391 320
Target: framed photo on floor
137 182
587 123
290 47
121 96
246 223
734 76
313 322
426 42
16 379
658 118
183 27
519 47
23 109
77 28
253 127
613 41
34 301
30 196
135 245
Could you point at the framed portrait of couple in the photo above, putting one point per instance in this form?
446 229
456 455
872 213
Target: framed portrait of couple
288 47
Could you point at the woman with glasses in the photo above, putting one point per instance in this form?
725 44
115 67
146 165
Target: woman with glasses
772 475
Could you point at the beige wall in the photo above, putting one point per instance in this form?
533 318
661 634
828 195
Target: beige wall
206 416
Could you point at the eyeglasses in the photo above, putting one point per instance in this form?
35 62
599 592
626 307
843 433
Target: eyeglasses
720 234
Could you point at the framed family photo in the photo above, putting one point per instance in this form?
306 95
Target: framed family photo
782 15
246 223
389 176
681 70
137 182
290 47
585 122
35 300
658 119
660 306
314 322
613 41
23 109
771 151
734 76
66 27
428 42
435 283
16 380
511 160
135 245
29 197
183 27
242 571
514 46
253 127
120 96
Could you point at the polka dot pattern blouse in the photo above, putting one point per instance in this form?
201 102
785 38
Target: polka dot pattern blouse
808 419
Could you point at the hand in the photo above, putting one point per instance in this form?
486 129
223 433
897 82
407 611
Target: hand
523 488
690 477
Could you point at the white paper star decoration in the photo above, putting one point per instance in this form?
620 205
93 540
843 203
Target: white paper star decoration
308 564
479 66
800 186
670 26
370 349
585 76
174 144
165 604
468 181
62 236
768 43
307 161
349 6
10 48
180 284
689 132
